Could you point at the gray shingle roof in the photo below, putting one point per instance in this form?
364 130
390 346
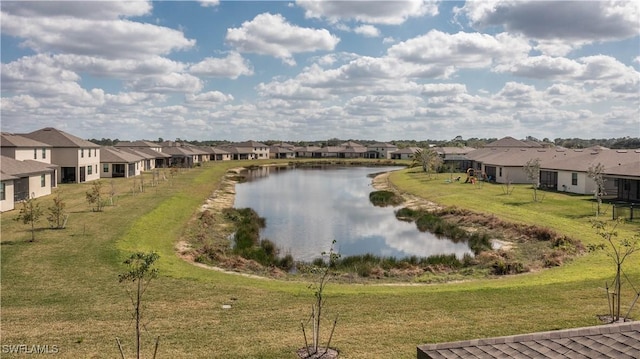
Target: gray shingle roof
140 143
110 154
615 161
13 140
57 138
16 168
248 144
620 340
511 142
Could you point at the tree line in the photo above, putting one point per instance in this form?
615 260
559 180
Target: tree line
458 141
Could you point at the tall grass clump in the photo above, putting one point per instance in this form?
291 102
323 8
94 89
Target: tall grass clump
384 198
247 242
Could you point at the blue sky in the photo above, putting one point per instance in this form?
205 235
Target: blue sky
312 70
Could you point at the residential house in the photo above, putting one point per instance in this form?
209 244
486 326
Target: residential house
455 157
238 153
154 156
152 159
219 154
626 179
507 164
281 152
327 152
200 154
406 153
23 148
510 142
305 151
260 150
180 156
20 180
380 150
621 172
78 159
118 162
352 149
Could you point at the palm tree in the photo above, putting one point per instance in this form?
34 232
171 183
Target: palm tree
428 159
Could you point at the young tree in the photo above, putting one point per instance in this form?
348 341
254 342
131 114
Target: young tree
596 173
140 273
94 196
57 215
532 169
30 213
618 250
313 350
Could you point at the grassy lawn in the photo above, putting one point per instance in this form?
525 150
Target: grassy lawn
63 289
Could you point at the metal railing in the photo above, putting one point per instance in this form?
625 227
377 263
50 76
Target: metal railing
625 211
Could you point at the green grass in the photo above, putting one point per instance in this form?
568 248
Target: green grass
63 289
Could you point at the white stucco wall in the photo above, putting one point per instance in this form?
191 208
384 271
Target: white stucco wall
35 185
7 204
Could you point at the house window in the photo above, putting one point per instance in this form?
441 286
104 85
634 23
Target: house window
95 152
89 152
35 154
574 179
43 180
89 170
44 153
105 167
2 191
500 172
82 153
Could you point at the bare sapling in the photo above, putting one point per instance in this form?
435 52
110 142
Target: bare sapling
618 249
140 273
596 173
325 272
532 169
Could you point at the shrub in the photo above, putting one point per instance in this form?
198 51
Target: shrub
384 198
405 214
479 242
286 262
269 248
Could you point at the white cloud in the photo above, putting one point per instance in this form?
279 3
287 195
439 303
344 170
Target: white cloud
114 39
371 12
169 82
231 66
542 67
209 3
117 68
434 90
97 10
559 26
269 34
367 31
207 99
461 50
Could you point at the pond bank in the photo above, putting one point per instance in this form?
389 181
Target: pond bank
506 258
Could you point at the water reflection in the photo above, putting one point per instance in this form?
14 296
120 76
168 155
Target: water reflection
307 208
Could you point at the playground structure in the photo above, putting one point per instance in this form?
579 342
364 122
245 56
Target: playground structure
471 176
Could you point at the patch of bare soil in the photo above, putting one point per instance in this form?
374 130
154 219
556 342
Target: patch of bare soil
321 354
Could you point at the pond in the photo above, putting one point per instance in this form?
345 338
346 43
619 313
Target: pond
307 208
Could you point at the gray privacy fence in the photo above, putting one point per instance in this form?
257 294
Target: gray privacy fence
626 211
